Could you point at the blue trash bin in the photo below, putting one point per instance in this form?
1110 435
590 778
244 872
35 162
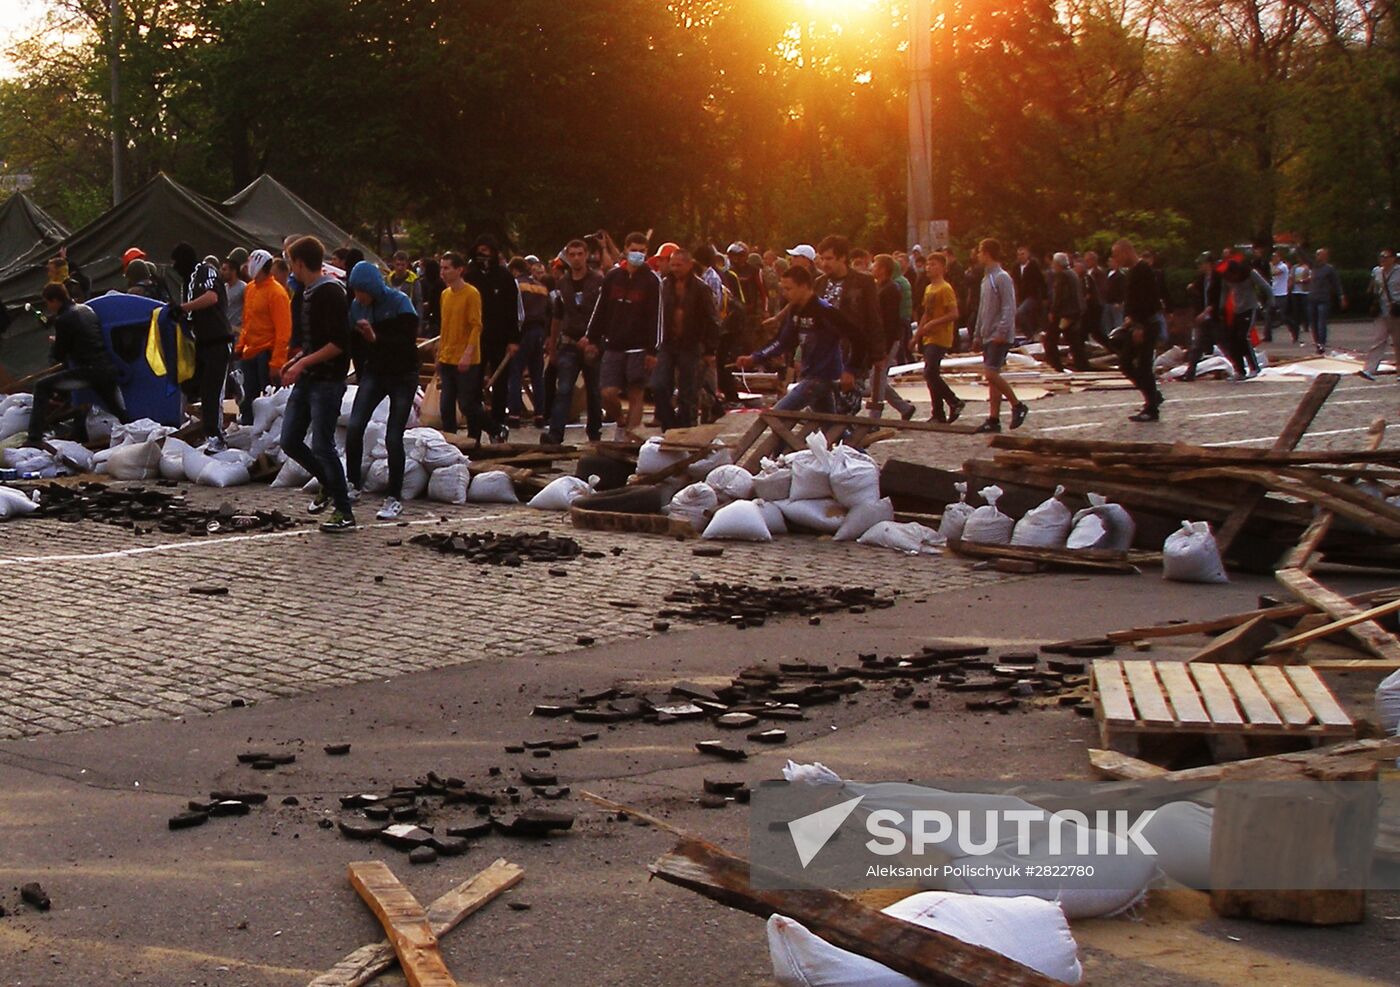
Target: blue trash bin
126 322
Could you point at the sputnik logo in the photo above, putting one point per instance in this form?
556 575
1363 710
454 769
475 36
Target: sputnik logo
811 832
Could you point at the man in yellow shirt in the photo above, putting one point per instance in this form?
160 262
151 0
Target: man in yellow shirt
934 338
459 352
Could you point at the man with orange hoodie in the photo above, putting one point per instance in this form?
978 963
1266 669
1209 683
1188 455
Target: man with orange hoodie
267 331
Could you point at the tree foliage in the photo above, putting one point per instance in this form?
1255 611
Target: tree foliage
1187 123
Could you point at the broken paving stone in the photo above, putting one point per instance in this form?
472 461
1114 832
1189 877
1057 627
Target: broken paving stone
248 757
921 703
229 807
515 748
661 626
534 822
708 551
736 721
1066 647
547 710
694 692
360 829
337 750
405 813
533 778
601 716
187 820
714 786
422 855
543 752
814 621
774 736
709 801
584 640
680 711
291 800
552 793
717 748
518 906
209 590
405 837
1019 658
451 846
533 745
1092 650
379 813
566 744
494 771
470 831
252 798
265 764
33 894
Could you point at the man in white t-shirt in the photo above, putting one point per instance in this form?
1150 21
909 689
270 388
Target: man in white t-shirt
1278 308
1299 283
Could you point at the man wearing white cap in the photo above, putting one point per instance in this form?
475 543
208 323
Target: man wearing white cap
804 255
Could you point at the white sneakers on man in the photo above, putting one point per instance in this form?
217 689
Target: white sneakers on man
391 511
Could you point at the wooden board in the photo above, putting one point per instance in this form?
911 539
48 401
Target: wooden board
1147 692
1218 698
444 915
1239 646
1333 626
646 524
1376 639
1319 699
1186 702
1251 698
927 956
1281 693
1215 624
851 420
1352 760
1112 692
1086 560
405 921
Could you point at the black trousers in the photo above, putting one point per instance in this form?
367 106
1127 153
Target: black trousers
65 382
1203 340
211 363
1135 359
1238 346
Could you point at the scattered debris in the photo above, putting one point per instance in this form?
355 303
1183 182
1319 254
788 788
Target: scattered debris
143 511
750 606
34 894
490 548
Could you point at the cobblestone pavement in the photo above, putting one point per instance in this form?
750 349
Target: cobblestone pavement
100 628
110 632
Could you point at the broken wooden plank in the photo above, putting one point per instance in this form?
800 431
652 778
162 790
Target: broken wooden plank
1215 624
649 524
852 420
1335 626
1317 394
444 915
781 430
405 921
1358 758
1300 556
1375 638
1239 646
1328 495
926 955
1086 560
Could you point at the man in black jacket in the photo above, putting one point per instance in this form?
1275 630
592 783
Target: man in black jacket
627 326
77 343
690 335
1205 306
574 298
1066 311
856 296
1031 292
1137 337
201 310
501 314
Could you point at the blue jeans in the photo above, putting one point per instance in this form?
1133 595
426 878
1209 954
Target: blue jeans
1318 311
315 404
400 390
819 395
676 386
569 365
1029 321
529 358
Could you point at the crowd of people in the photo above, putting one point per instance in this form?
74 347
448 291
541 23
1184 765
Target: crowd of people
684 323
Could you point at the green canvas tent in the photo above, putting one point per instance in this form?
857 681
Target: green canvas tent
25 227
273 211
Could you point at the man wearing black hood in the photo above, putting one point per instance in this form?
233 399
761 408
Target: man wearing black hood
501 315
201 312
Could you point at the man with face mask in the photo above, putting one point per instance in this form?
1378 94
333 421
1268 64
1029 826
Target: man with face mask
627 327
202 313
501 315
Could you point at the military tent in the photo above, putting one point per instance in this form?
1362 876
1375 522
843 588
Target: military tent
25 227
272 211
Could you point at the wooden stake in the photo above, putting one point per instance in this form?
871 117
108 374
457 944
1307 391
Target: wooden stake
405 921
1376 639
1334 626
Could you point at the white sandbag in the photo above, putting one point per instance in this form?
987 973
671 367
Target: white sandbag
1046 525
694 503
1190 555
15 503
773 517
720 455
863 517
415 478
28 460
14 421
854 477
1388 704
955 515
1118 526
232 456
347 404
824 516
1180 833
172 458
239 437
449 485
494 487
99 426
560 494
987 525
266 444
773 482
21 400
141 430
73 454
1028 930
811 470
194 460
436 452
1088 532
910 538
372 446
291 475
731 483
134 461
740 520
266 411
222 473
651 458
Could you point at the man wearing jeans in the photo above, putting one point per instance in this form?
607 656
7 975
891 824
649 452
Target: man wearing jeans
690 335
317 378
1385 282
1325 287
459 353
821 330
993 335
385 317
574 299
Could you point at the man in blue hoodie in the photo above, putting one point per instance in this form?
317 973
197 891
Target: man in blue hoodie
387 321
822 331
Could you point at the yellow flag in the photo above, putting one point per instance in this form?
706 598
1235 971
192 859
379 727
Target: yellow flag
184 350
155 355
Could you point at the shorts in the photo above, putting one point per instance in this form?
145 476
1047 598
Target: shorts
623 370
994 355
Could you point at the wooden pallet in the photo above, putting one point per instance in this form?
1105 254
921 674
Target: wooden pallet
1132 698
646 524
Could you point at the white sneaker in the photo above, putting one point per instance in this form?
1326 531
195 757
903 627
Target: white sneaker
391 511
215 444
353 493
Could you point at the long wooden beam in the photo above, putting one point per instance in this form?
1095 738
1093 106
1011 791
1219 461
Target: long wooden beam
895 423
405 921
1372 636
